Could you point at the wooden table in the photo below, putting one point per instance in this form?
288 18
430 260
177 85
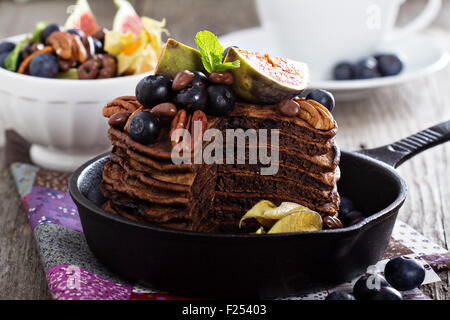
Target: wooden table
386 115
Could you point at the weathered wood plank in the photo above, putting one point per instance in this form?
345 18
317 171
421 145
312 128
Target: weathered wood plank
21 273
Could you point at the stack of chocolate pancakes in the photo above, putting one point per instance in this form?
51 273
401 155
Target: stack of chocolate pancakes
142 183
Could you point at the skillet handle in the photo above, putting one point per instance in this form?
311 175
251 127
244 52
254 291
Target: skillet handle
398 152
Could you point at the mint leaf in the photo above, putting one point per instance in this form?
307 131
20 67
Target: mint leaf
227 65
12 59
40 26
209 48
211 51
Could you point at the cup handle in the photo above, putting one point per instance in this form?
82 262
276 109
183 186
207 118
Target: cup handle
427 15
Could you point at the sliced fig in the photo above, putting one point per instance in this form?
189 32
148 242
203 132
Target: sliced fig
176 57
126 19
265 79
82 18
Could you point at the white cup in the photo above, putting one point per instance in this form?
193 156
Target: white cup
324 32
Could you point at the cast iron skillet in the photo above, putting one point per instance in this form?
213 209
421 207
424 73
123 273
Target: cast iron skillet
209 265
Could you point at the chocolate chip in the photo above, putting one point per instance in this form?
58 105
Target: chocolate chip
289 107
119 119
182 79
221 77
165 111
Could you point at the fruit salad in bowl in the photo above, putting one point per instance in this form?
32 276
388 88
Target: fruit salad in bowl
55 78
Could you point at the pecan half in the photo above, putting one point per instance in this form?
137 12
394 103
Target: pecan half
332 222
79 52
125 103
315 114
178 122
198 118
61 42
327 118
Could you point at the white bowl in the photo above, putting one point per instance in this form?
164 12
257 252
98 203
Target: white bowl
62 119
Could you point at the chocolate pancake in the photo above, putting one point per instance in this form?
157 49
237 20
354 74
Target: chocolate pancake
141 182
251 116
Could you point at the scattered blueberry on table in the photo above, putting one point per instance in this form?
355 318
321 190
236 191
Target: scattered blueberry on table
379 65
401 273
340 295
385 293
404 274
361 290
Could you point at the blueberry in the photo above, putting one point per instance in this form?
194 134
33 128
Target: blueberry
6 47
367 69
225 52
192 98
344 71
386 293
2 59
352 217
361 290
323 97
221 100
346 205
98 45
340 295
144 127
44 65
153 90
199 79
49 30
404 274
77 32
389 64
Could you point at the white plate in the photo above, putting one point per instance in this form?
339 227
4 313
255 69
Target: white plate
421 54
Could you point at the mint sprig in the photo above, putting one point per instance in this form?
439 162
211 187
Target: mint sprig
211 51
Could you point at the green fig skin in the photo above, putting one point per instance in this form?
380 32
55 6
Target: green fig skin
253 86
176 57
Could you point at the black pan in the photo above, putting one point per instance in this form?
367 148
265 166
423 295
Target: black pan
209 265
